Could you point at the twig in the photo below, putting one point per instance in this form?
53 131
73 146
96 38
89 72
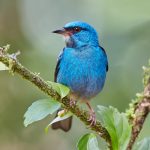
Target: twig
141 110
14 66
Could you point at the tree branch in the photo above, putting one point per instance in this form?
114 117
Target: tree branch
141 110
15 67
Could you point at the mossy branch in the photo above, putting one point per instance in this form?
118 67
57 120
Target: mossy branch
137 111
139 108
15 67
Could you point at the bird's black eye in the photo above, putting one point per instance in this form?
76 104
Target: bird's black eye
77 29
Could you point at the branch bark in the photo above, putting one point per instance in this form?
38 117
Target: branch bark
141 108
15 67
141 111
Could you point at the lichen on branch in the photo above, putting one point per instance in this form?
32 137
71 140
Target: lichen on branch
15 67
139 108
137 112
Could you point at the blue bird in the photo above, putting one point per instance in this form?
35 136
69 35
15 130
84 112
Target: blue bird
82 66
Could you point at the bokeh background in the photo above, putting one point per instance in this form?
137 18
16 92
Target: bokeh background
124 31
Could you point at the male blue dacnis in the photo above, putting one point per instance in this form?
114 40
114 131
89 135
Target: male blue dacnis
82 66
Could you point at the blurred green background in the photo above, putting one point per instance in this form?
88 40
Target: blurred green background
124 31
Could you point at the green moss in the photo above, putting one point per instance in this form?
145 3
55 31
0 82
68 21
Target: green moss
146 76
139 96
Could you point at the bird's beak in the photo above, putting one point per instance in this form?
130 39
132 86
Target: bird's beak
60 31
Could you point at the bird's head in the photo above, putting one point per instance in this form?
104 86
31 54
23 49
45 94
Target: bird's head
77 34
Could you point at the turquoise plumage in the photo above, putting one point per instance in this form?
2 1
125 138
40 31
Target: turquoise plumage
82 65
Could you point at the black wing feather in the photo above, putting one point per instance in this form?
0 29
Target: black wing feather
106 56
58 65
56 71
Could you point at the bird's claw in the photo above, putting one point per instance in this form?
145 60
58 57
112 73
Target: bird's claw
72 103
92 118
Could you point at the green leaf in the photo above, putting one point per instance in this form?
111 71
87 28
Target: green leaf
40 109
59 118
3 67
61 89
143 145
88 142
117 126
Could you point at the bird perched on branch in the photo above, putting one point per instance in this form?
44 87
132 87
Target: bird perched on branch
82 66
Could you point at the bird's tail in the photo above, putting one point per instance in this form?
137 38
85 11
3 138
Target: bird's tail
65 125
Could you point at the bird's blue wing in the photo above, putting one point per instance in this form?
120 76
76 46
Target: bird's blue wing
58 65
106 56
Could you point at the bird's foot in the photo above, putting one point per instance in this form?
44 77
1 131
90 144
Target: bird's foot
72 103
92 118
92 115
